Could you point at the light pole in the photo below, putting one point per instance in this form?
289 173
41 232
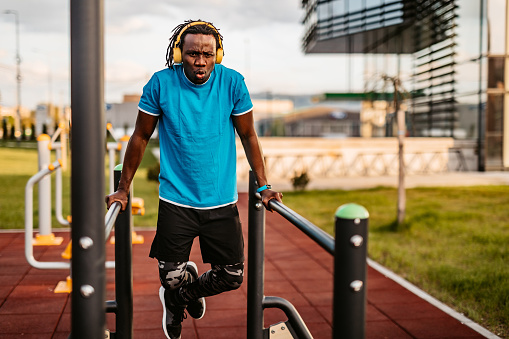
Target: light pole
17 124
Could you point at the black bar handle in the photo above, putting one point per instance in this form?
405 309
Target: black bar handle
123 268
350 272
311 230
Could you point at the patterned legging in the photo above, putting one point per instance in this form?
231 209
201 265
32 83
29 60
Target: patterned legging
219 279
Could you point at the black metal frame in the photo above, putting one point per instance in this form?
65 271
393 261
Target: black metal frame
256 301
88 314
87 196
350 271
122 306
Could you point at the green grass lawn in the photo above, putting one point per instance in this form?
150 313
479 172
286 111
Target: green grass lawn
18 165
454 244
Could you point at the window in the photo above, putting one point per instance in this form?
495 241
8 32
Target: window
496 72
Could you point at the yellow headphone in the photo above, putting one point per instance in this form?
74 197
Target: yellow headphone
177 52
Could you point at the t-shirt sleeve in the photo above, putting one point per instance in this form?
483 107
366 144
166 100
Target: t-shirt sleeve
243 102
149 101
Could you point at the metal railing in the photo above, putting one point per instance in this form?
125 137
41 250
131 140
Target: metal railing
349 249
336 163
122 306
29 220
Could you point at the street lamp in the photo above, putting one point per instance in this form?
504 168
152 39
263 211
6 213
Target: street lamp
17 124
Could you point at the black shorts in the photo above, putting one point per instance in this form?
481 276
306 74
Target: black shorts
219 231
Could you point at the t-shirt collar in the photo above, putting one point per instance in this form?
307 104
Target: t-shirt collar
192 83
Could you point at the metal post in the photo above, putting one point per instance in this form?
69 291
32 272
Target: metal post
256 253
112 147
17 122
123 269
58 190
350 270
88 140
44 154
123 142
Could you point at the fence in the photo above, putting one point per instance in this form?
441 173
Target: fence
330 164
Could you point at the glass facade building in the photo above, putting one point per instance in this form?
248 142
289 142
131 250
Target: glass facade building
451 57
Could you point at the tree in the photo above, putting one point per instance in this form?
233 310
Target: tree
400 117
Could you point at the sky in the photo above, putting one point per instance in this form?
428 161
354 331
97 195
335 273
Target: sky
262 40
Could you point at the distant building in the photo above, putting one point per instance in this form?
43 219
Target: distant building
313 121
452 57
123 115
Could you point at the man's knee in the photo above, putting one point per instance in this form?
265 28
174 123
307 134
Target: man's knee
232 276
172 274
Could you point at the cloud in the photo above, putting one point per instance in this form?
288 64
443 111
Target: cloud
225 13
116 71
128 26
39 16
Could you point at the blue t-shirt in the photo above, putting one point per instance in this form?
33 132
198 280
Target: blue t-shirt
196 134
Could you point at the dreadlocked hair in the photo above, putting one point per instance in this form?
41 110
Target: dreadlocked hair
196 29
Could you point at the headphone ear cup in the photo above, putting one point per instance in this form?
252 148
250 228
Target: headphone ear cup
219 55
177 55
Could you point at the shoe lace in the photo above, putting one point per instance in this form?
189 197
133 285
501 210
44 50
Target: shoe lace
183 316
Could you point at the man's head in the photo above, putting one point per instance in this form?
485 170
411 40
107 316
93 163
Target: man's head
198 46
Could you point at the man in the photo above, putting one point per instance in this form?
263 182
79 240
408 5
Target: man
199 105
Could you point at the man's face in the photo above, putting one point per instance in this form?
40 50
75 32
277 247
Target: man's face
198 57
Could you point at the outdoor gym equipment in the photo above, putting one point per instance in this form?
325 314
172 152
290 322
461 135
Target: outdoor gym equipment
45 145
88 294
138 204
29 224
349 249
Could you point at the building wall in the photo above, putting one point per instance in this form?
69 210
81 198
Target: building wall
473 97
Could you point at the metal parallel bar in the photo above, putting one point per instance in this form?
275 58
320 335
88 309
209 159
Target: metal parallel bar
350 272
111 306
112 148
298 325
325 240
88 318
44 200
256 255
256 301
58 191
29 227
110 218
123 269
29 221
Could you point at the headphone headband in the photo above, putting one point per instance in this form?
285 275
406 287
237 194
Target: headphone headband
177 41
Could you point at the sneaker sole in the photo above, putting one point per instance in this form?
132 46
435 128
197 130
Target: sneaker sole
161 297
193 265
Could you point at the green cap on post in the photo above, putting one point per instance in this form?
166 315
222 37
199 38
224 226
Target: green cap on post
352 211
118 167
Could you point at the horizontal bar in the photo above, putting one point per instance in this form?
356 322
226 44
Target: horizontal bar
322 238
294 318
29 223
110 217
111 306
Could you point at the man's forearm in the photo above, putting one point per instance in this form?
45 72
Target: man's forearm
254 157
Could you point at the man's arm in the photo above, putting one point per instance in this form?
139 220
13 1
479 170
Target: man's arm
145 125
244 124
